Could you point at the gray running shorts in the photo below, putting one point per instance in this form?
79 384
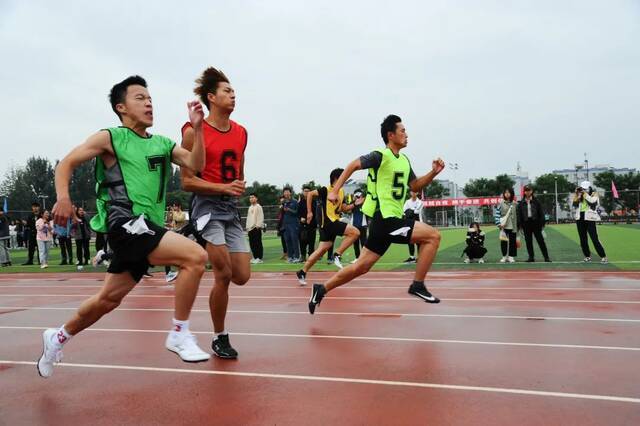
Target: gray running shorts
226 232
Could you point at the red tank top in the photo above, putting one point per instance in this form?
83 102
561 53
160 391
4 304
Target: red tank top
224 150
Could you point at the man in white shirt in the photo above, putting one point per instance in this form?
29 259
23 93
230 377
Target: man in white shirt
412 209
255 222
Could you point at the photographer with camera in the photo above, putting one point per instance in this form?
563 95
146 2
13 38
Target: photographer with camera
586 202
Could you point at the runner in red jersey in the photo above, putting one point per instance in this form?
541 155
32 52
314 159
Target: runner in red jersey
217 190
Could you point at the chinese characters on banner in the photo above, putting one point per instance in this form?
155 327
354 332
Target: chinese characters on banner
464 202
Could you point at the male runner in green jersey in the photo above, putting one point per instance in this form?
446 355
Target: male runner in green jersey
390 174
132 170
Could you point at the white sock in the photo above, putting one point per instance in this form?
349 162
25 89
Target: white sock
180 326
61 337
223 332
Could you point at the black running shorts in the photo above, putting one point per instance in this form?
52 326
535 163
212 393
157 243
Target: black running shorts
384 232
331 230
130 251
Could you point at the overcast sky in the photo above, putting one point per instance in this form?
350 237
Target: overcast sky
484 84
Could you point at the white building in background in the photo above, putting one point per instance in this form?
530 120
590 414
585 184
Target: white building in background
580 172
520 179
455 191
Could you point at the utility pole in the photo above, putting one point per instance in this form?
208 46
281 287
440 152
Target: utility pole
555 179
454 167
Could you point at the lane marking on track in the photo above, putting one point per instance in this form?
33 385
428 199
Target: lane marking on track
329 379
364 338
360 314
403 299
346 287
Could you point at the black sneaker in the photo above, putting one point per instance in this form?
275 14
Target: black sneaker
531 260
419 290
410 259
222 348
302 277
317 293
547 260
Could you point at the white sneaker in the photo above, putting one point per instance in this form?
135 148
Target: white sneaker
511 259
466 260
186 346
51 353
604 260
503 260
480 260
259 261
253 261
587 259
336 261
44 265
171 276
97 259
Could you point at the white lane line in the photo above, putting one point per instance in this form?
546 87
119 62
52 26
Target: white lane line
346 287
365 338
403 299
514 391
359 314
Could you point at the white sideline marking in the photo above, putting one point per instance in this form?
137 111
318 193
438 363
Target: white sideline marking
345 287
365 314
341 380
403 299
372 338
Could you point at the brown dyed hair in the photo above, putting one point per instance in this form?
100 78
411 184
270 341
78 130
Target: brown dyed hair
208 83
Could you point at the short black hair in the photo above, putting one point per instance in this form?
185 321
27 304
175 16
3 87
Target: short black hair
335 174
254 194
287 188
119 91
35 204
389 125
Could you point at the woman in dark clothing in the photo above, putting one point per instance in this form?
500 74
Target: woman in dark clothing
586 202
475 249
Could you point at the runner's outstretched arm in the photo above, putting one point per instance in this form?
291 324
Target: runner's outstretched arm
353 166
96 145
437 166
195 157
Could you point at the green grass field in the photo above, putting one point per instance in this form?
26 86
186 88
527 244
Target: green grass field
622 243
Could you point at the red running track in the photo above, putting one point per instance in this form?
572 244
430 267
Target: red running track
518 349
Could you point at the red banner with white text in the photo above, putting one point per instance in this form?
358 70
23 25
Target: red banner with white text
464 202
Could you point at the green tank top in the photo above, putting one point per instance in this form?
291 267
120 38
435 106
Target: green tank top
136 184
387 186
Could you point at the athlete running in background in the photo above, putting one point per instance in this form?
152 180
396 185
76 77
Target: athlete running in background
330 225
390 174
132 170
215 205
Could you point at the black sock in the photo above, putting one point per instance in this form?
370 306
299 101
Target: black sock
418 283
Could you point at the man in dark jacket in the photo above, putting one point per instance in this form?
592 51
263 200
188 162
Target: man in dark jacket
30 233
531 221
307 230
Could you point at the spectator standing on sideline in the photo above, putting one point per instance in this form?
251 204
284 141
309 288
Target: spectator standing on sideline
291 228
280 229
5 259
506 219
44 236
531 220
30 232
82 235
359 220
13 234
64 238
412 208
254 225
307 230
586 202
475 249
20 230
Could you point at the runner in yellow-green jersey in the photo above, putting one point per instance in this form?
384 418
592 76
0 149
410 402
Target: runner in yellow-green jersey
132 170
390 175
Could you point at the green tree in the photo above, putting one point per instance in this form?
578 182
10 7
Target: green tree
502 182
435 190
545 187
82 189
627 186
479 187
268 195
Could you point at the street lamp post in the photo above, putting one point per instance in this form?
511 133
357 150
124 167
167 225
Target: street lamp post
555 179
454 167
